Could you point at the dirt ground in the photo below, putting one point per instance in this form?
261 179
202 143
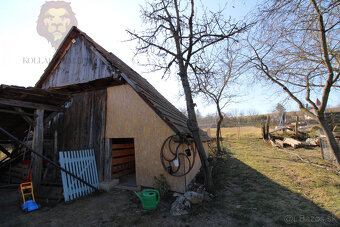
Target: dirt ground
257 186
115 208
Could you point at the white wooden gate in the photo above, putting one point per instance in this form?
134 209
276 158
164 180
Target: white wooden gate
81 163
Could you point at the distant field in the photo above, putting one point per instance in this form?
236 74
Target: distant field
235 132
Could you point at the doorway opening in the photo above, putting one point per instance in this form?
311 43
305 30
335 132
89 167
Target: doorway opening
123 161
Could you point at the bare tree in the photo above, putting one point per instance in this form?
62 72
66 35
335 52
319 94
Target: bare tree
175 33
279 108
296 46
216 79
252 112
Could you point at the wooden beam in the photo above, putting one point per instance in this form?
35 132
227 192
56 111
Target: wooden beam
15 112
38 141
31 105
125 152
107 159
5 151
50 117
55 152
116 161
26 118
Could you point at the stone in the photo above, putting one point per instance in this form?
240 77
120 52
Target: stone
108 185
180 206
176 194
194 197
312 141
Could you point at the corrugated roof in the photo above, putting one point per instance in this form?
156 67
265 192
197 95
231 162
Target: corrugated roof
169 113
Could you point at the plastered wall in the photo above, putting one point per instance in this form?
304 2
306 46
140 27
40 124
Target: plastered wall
128 116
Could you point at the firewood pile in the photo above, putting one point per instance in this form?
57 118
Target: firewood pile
294 143
294 135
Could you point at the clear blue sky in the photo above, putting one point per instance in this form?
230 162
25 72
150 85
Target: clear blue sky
105 21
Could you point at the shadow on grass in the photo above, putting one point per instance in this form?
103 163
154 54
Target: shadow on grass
253 199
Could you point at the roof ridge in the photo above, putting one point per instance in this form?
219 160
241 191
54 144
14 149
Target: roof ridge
168 112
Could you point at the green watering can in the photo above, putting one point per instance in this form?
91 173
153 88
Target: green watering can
150 199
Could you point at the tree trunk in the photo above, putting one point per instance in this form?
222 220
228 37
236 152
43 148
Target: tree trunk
218 135
330 139
193 127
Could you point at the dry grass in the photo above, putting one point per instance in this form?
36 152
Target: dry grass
236 132
279 186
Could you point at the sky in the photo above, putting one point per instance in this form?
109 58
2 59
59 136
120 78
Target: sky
24 54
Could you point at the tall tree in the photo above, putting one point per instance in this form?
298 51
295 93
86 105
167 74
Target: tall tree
215 79
279 108
175 33
296 45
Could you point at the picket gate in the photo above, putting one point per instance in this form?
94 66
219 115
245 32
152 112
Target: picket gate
81 163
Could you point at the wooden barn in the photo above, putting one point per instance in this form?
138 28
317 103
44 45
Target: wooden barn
132 128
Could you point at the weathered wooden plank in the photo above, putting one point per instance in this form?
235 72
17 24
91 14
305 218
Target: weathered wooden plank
38 142
77 66
120 146
117 153
31 105
279 143
15 112
108 159
55 152
82 125
292 142
116 161
101 135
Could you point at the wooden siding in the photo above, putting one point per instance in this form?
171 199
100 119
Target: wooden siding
128 116
123 159
82 126
82 63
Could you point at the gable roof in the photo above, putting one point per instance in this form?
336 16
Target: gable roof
169 113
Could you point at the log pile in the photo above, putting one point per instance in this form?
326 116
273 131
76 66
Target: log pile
294 143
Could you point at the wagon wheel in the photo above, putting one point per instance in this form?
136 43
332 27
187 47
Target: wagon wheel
178 158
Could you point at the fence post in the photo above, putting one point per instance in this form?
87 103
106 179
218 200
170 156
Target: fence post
267 127
296 126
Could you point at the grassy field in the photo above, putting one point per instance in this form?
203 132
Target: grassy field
273 187
236 132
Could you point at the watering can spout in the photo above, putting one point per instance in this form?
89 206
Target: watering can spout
141 199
